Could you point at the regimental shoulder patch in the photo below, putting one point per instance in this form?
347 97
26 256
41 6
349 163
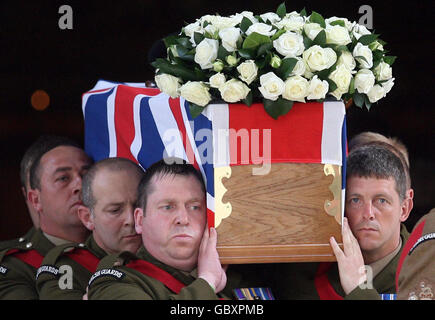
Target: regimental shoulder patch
107 272
426 237
3 270
47 269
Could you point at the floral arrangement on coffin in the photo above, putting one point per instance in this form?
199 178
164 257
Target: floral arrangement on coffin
278 58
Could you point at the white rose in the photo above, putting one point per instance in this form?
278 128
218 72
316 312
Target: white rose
383 71
229 37
289 44
190 29
206 53
347 59
261 28
217 80
342 77
168 84
245 14
312 30
317 89
295 89
376 45
219 22
234 90
337 35
361 50
270 16
387 85
299 68
375 93
248 71
359 30
271 86
292 21
318 58
364 80
347 23
195 92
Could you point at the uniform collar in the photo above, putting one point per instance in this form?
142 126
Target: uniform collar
92 245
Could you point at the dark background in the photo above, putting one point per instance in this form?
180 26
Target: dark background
110 40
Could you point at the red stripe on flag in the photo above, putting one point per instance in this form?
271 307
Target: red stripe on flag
210 218
175 106
295 137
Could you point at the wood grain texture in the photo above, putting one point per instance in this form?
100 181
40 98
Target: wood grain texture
278 217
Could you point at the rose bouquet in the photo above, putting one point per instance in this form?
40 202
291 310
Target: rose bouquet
277 58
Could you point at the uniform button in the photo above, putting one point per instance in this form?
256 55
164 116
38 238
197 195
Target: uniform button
81 245
117 263
21 239
28 245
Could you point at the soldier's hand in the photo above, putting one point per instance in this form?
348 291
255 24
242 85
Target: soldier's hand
209 266
350 261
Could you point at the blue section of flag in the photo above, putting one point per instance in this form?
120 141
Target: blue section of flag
152 147
96 127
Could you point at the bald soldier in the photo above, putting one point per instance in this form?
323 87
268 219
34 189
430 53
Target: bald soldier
178 259
55 180
109 198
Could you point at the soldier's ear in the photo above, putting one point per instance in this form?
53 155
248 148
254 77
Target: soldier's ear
34 197
86 217
407 205
138 218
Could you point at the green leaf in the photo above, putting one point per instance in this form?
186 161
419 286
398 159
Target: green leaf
278 34
368 38
247 53
177 70
264 48
245 24
362 58
277 108
254 40
303 12
390 59
307 42
185 54
338 23
170 40
222 53
281 11
367 102
286 68
332 85
198 37
248 100
320 39
317 18
352 86
194 109
358 99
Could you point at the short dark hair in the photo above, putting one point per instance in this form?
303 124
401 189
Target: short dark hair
167 166
28 159
44 145
112 164
375 160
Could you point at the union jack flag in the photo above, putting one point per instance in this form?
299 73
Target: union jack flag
145 125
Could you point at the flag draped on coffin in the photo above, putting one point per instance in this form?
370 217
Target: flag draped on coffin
142 124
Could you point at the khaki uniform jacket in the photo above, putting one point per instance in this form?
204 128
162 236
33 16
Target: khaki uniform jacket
115 281
17 278
82 266
7 244
297 280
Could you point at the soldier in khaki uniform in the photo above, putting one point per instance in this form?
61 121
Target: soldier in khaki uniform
55 179
378 200
178 259
25 164
109 198
415 277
